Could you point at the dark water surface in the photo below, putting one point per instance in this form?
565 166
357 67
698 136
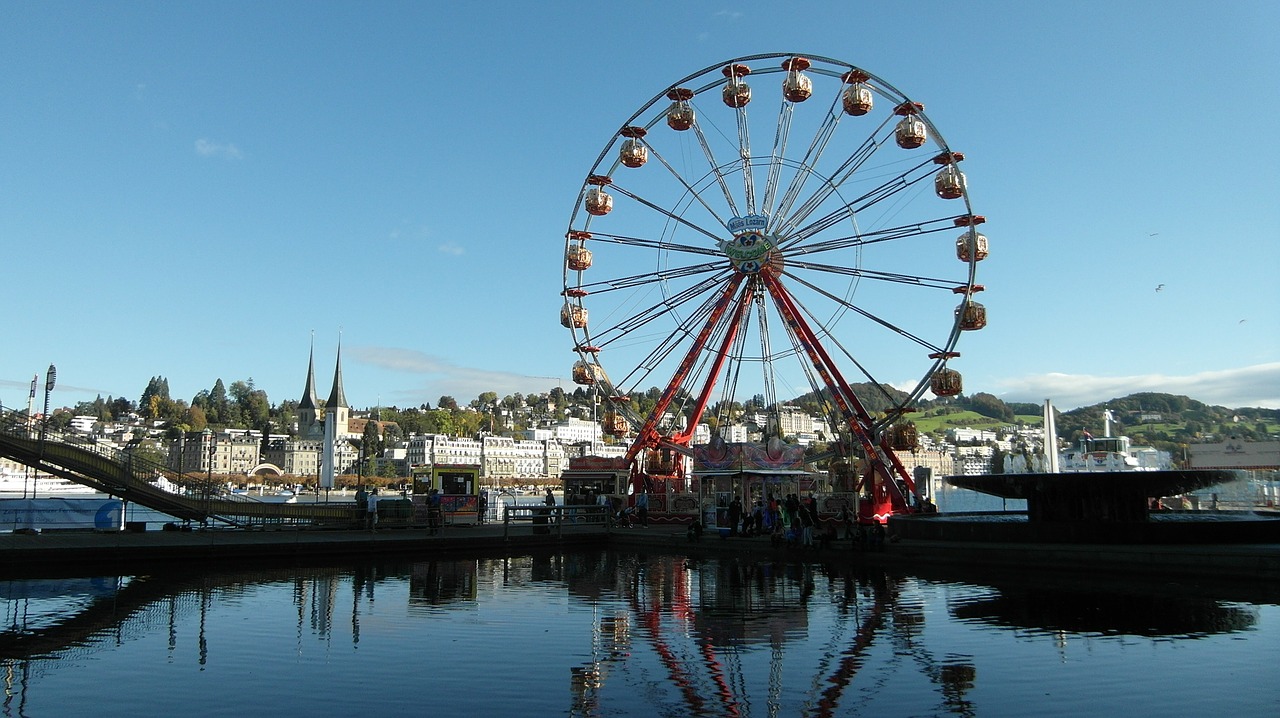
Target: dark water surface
625 634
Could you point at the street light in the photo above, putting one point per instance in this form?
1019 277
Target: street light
50 378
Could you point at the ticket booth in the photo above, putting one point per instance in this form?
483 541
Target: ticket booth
459 489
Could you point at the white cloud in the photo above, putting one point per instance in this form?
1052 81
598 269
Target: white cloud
1250 386
209 148
440 377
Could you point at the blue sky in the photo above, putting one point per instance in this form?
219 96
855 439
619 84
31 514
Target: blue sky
191 190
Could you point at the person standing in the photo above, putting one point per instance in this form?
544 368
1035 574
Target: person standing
735 515
804 519
433 511
642 509
371 511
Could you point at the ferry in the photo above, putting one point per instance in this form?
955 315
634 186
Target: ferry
1105 453
1112 453
15 482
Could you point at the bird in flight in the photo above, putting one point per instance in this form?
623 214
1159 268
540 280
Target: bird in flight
1153 234
1159 287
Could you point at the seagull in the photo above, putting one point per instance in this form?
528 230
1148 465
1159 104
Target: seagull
1153 234
1242 321
1159 287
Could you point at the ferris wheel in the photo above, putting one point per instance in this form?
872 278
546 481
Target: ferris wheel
772 227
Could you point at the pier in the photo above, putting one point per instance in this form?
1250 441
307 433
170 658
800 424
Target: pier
63 551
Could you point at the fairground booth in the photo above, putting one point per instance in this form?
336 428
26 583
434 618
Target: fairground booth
754 472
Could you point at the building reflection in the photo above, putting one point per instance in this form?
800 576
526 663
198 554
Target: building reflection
438 583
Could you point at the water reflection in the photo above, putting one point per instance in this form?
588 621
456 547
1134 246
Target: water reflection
658 633
1106 613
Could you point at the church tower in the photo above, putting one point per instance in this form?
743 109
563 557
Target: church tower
309 407
336 415
336 410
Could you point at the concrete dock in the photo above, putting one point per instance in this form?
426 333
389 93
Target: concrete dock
22 553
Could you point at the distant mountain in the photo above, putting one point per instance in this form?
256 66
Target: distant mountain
1157 418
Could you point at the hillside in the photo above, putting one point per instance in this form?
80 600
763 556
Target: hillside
1161 420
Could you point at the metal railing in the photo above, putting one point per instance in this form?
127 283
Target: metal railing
543 519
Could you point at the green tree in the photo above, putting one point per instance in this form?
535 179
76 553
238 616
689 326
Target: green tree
218 409
439 421
146 454
157 389
990 405
447 403
120 408
371 440
391 435
251 405
195 419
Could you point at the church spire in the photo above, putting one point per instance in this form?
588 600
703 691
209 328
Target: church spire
336 397
309 399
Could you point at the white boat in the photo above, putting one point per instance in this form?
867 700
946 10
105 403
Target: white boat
1112 453
16 482
1105 453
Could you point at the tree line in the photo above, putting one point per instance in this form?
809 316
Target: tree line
244 406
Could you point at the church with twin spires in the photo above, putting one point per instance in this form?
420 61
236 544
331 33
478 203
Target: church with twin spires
323 432
311 418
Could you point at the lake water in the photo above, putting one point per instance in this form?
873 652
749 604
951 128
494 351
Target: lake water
608 633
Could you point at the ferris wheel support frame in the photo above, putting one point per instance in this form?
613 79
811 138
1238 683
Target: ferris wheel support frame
647 437
881 457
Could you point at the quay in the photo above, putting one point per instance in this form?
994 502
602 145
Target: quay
63 551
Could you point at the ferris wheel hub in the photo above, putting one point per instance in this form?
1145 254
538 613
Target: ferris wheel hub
752 246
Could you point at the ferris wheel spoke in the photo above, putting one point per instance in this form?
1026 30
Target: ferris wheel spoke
887 234
656 244
811 158
768 376
860 366
843 173
667 213
847 212
744 158
643 317
689 190
640 280
721 181
857 161
815 382
780 137
874 274
842 302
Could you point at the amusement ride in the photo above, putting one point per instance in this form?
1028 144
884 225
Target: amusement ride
771 227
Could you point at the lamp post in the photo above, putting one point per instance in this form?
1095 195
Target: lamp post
50 378
208 484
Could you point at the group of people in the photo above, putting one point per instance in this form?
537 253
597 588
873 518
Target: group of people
794 521
790 518
368 502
